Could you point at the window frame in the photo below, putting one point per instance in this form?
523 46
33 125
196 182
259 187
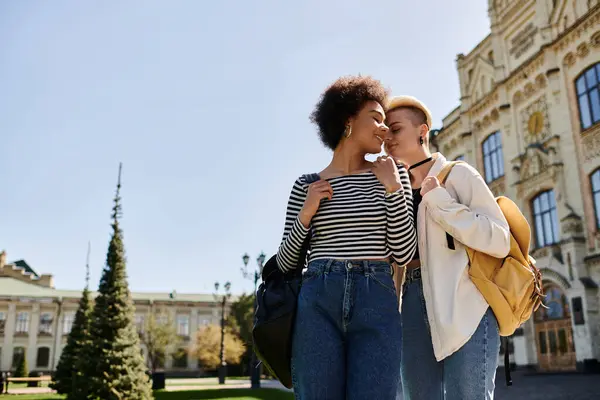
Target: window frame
46 323
26 321
68 320
587 91
180 319
541 213
497 152
37 357
596 204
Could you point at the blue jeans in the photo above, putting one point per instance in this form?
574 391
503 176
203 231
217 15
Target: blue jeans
467 374
347 334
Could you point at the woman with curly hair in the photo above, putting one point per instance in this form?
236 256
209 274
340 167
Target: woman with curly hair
346 342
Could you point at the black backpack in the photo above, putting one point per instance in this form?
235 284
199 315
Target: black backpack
276 300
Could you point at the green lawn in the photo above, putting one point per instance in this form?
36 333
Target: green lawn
222 394
226 394
203 381
31 396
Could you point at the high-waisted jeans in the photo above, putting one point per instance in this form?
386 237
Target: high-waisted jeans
467 374
347 335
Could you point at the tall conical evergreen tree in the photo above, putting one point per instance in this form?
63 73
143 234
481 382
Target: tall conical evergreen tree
67 373
116 366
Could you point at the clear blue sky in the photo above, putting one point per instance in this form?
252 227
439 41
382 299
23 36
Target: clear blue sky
206 103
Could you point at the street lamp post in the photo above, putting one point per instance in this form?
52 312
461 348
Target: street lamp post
260 260
223 300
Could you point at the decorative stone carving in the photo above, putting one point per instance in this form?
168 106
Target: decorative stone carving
538 168
540 81
590 143
583 50
529 89
569 59
540 252
534 165
486 121
494 115
571 225
567 40
595 40
498 187
518 97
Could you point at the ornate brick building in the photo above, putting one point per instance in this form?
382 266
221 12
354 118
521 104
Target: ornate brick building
529 120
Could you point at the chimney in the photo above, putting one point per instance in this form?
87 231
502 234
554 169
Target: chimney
46 280
2 259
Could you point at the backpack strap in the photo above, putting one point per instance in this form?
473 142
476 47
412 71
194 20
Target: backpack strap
311 178
443 174
507 362
305 249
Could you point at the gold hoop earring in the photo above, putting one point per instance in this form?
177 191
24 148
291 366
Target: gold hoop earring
348 131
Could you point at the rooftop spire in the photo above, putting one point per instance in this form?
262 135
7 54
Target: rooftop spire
87 266
117 206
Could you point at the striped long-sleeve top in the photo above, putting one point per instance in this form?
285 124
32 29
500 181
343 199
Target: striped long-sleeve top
360 222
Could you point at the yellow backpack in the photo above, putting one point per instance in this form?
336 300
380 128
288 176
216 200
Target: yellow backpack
512 286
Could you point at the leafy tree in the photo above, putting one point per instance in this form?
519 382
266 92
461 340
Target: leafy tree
159 337
241 321
116 367
241 318
208 347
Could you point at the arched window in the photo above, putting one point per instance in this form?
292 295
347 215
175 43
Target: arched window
43 357
595 182
557 306
493 160
545 219
18 355
588 96
180 358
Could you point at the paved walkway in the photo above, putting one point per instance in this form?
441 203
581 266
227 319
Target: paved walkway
229 384
525 386
549 387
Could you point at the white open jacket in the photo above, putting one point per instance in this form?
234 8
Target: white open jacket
467 210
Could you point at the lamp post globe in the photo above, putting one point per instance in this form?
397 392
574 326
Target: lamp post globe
222 298
260 260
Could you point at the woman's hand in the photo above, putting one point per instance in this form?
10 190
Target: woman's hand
429 183
317 191
386 171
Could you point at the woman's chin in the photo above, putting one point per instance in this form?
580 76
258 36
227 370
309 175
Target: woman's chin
374 150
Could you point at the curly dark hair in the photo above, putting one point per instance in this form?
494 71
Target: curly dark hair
341 101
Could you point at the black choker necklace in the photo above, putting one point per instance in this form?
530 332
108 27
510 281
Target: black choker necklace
420 163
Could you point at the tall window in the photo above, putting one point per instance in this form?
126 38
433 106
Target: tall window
2 322
183 325
68 322
43 357
139 323
46 324
22 325
545 217
493 160
180 358
595 180
203 320
588 96
18 354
